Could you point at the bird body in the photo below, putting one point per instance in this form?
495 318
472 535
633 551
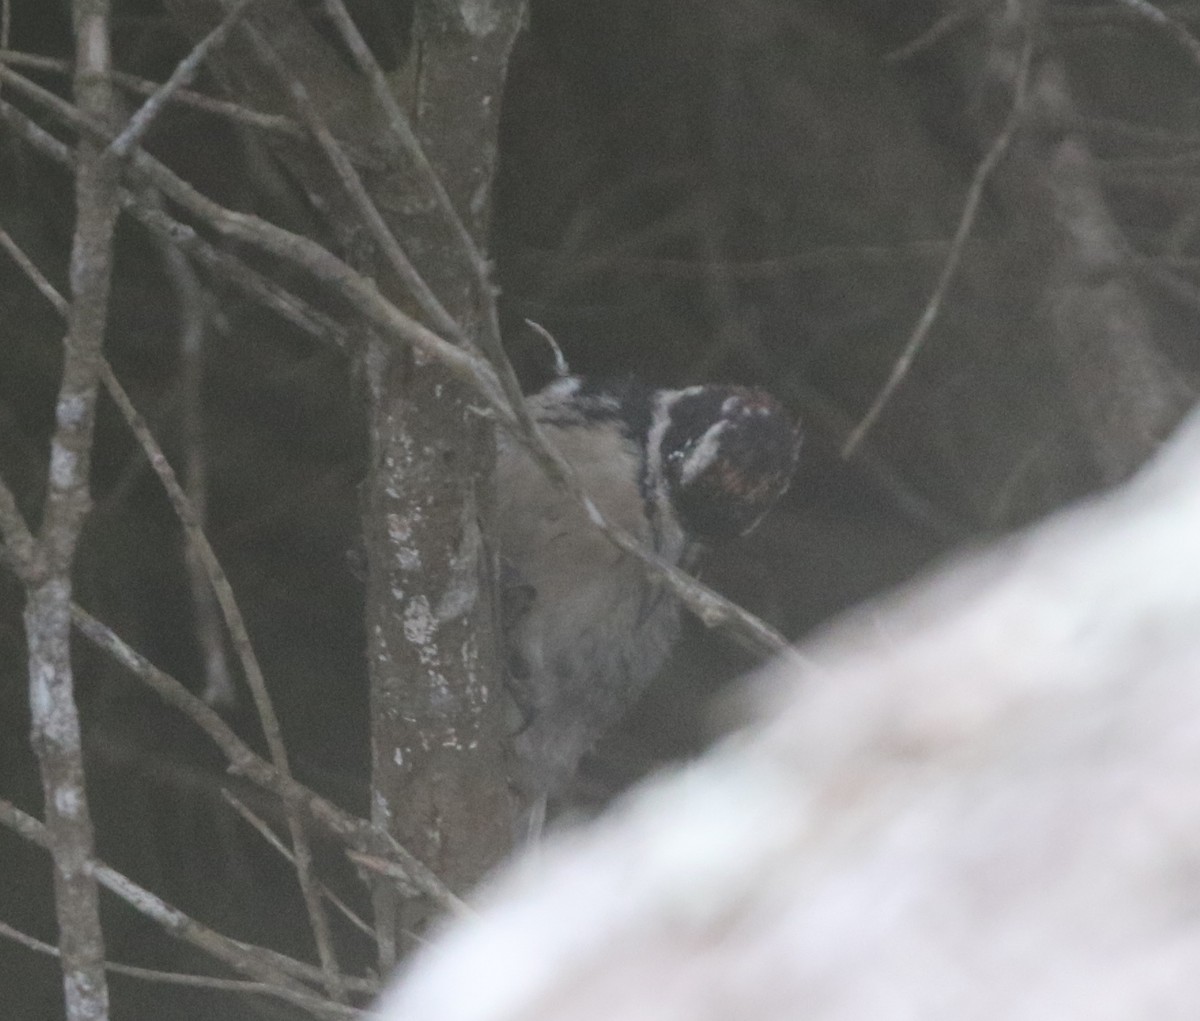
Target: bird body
587 627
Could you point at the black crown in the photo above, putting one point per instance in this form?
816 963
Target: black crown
728 454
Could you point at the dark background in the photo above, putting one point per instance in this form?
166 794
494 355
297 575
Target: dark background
689 190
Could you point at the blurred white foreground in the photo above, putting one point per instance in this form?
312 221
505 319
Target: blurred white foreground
977 800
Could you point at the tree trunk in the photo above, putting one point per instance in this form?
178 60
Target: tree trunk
439 782
437 731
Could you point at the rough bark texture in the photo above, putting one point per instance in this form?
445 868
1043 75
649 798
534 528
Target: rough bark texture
969 802
437 732
437 728
56 732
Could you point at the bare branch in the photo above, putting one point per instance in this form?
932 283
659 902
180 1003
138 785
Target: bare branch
1141 133
198 543
356 833
1155 271
192 304
263 830
1112 13
294 249
489 337
779 268
55 726
269 122
202 550
19 544
955 18
183 74
1175 28
950 268
712 609
817 407
363 204
35 275
241 276
402 129
145 208
266 965
315 1006
22 548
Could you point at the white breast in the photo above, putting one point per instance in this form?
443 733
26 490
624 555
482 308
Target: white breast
597 630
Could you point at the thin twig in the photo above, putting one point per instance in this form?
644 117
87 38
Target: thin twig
489 337
950 268
399 124
192 314
1131 166
295 249
200 547
35 275
5 24
255 285
815 405
1172 26
264 830
356 833
54 718
352 183
23 549
182 75
824 257
710 607
147 209
270 122
380 866
1108 14
1161 273
198 543
258 962
947 23
318 1007
1142 133
24 556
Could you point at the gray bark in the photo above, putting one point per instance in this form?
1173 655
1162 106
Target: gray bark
437 730
54 716
970 801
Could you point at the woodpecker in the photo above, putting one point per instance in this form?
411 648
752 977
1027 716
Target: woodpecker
586 628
